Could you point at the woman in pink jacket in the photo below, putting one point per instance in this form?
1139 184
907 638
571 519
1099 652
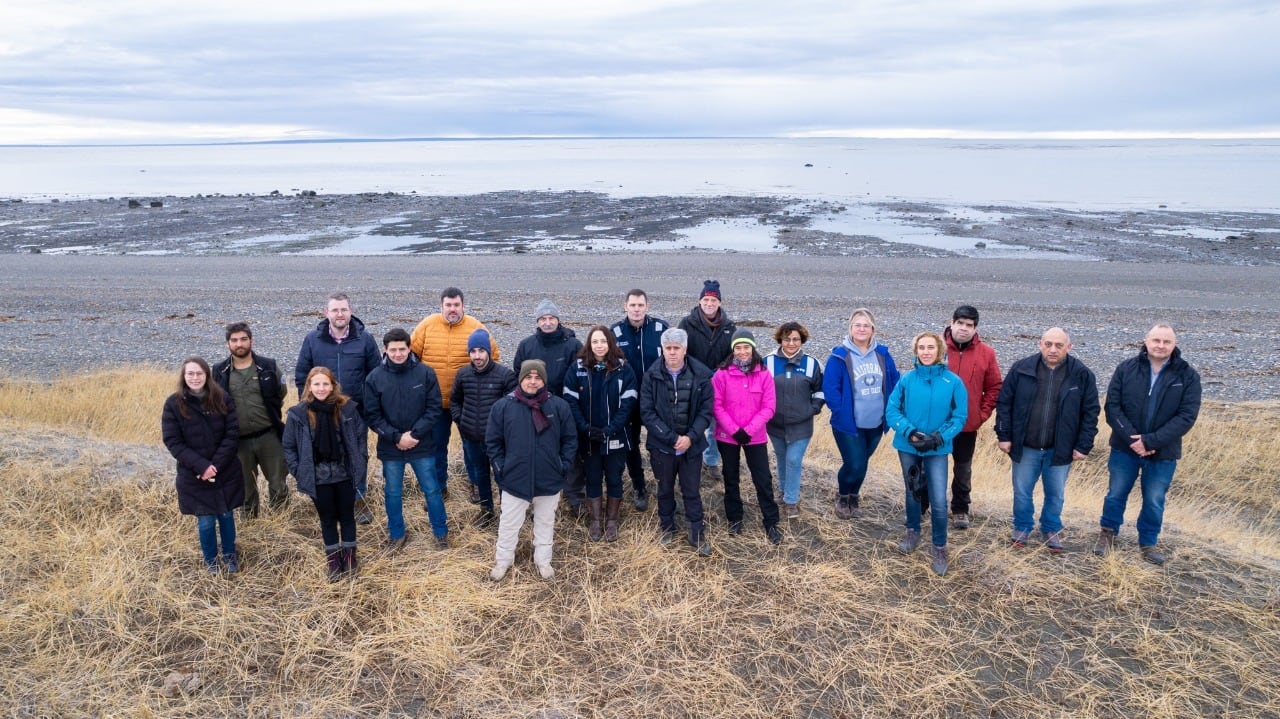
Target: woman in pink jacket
743 405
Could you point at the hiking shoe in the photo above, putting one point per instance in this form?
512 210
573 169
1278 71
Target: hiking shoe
473 494
712 472
231 562
212 567
844 506
700 545
1053 542
442 542
909 542
735 528
940 563
641 501
792 510
960 520
396 545
1019 538
498 572
1152 554
1106 542
775 534
855 507
667 537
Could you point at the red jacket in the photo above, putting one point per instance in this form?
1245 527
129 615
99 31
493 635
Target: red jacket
978 369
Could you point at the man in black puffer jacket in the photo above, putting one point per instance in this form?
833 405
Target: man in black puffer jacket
401 404
476 388
1152 401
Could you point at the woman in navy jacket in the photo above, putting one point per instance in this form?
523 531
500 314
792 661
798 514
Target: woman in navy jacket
927 409
602 392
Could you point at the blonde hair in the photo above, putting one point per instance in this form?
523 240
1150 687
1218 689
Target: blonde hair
865 313
942 347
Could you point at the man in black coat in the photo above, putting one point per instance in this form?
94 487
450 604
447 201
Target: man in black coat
532 439
258 391
476 388
639 336
1046 418
676 402
710 331
1152 401
401 404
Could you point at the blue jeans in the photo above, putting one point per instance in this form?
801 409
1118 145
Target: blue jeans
1035 465
790 456
424 468
440 436
855 453
935 475
479 469
1157 475
210 526
711 455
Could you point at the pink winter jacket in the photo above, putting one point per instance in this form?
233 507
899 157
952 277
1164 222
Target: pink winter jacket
743 401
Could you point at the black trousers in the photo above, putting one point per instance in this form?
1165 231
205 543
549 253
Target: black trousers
761 477
962 475
635 465
336 505
603 466
687 467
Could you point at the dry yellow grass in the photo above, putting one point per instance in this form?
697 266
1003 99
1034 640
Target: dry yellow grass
104 596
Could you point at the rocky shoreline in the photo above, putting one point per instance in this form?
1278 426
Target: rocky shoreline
524 222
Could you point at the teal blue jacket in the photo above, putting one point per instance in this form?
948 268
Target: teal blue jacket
927 399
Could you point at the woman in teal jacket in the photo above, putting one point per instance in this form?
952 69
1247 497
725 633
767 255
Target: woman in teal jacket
926 410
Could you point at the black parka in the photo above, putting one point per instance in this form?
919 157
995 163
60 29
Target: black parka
1076 423
198 440
1177 405
474 394
530 463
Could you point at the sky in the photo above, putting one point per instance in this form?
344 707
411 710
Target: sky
122 72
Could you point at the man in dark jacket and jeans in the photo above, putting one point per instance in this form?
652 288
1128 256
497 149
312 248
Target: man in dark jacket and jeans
676 402
1152 401
476 388
1046 418
257 389
341 343
401 404
532 440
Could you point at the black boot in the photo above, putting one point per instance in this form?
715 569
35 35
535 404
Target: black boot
350 565
333 556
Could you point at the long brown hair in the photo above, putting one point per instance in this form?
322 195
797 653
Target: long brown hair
612 358
214 401
336 397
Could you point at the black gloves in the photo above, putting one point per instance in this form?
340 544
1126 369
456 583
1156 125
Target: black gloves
922 442
741 436
595 434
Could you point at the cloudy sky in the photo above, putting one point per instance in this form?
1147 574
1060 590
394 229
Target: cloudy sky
128 71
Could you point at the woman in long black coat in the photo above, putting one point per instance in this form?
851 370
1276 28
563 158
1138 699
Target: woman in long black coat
200 429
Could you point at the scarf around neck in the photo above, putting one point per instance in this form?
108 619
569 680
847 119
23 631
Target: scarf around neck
326 445
534 403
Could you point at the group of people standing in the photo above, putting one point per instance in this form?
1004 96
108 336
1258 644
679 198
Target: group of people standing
566 419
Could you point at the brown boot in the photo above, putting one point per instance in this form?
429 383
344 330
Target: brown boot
1106 542
611 508
594 530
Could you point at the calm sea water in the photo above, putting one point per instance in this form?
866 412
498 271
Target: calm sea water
1181 174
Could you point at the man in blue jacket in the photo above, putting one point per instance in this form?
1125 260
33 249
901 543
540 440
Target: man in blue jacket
1046 418
639 337
1152 401
402 402
341 343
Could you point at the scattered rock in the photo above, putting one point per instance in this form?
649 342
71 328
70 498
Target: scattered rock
134 204
178 683
157 203
980 245
808 164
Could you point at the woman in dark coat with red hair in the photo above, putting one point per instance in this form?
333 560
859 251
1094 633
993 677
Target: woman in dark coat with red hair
200 429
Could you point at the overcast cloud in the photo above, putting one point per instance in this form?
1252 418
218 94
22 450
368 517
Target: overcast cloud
237 70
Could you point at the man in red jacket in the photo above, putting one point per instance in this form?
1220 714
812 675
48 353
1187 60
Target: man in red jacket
975 362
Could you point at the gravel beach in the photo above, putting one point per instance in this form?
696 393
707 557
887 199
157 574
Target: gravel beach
74 313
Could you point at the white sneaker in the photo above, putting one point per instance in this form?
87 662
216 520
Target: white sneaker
498 572
546 571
